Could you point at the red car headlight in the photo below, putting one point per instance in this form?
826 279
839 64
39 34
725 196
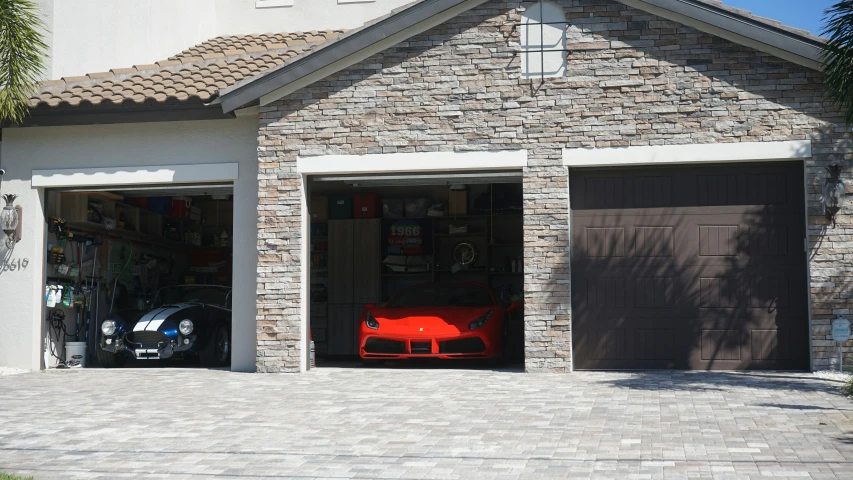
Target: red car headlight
480 321
370 321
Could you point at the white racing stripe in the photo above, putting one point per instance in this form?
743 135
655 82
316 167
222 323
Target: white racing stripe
140 326
153 325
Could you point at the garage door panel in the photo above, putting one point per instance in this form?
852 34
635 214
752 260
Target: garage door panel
709 274
765 185
692 240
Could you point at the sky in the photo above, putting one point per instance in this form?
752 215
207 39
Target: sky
806 14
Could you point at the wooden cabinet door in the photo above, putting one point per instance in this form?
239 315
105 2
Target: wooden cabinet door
340 335
340 261
367 263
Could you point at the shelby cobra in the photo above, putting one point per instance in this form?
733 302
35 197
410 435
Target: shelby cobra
435 320
188 320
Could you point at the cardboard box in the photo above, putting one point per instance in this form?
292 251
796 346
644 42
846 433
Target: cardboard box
217 212
319 208
458 202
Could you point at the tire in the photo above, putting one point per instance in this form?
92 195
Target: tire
109 359
217 351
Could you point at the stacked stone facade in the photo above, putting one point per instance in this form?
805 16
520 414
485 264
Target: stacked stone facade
632 79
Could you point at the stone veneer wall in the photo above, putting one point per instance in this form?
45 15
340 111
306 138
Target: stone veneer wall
632 79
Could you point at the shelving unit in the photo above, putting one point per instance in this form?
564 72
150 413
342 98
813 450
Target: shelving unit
508 236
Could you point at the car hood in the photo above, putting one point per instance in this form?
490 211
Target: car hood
161 317
425 317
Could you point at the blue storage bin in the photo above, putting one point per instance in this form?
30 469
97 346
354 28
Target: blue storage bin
159 204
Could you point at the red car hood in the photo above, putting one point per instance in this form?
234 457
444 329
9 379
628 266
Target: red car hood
427 320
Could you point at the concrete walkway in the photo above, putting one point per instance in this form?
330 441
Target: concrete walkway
422 423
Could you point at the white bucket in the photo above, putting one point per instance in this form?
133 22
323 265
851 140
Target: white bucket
75 351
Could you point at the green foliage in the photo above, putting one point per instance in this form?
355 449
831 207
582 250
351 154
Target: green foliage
6 476
847 389
22 53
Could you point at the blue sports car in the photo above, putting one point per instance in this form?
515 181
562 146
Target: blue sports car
187 321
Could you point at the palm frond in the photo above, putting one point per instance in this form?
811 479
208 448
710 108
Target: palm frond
22 53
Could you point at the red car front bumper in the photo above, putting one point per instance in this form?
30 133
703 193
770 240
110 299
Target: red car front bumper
391 347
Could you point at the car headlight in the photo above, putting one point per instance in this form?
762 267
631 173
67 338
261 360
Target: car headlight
480 321
185 327
370 321
108 327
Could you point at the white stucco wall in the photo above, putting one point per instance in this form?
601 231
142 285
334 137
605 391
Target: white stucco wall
97 35
169 143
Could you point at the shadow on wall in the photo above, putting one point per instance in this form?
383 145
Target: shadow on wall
717 283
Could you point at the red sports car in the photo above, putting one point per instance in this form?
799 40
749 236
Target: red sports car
434 320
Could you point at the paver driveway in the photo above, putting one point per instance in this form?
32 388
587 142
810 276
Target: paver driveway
425 423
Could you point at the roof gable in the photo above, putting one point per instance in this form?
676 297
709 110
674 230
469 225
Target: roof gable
711 16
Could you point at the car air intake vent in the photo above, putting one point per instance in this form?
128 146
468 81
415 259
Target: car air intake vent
148 339
463 345
421 347
381 345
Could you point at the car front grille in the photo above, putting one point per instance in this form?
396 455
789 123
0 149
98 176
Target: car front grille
148 339
381 345
463 345
421 347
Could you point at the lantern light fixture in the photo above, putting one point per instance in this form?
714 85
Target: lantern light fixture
10 220
833 193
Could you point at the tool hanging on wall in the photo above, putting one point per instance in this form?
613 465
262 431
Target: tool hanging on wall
91 291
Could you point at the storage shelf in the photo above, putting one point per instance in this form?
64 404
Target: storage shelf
506 273
411 274
99 229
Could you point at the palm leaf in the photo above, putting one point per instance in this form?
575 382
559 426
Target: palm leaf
22 53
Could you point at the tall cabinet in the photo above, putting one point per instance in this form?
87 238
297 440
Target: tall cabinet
354 264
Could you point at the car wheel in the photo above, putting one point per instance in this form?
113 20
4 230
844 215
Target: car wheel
217 352
109 359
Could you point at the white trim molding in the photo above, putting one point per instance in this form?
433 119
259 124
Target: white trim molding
273 3
694 153
160 174
412 162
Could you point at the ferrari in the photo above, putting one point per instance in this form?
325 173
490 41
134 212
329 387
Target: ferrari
435 320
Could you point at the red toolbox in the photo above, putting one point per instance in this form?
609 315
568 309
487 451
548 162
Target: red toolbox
181 207
366 206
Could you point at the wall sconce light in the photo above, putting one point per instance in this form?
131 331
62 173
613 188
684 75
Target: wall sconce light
833 193
10 220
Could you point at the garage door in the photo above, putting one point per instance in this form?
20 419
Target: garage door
689 268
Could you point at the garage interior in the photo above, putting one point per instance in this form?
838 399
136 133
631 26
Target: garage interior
700 267
371 236
113 249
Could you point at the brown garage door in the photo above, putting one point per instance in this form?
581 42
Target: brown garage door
689 267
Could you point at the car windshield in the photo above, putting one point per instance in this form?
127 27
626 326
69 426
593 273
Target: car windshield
442 295
206 294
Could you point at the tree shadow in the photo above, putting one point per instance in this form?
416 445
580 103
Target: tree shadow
698 267
668 381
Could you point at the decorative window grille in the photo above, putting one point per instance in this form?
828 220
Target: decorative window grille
543 41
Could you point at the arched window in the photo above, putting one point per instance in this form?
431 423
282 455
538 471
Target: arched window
543 41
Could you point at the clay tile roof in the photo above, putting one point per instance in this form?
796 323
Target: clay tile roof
193 75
